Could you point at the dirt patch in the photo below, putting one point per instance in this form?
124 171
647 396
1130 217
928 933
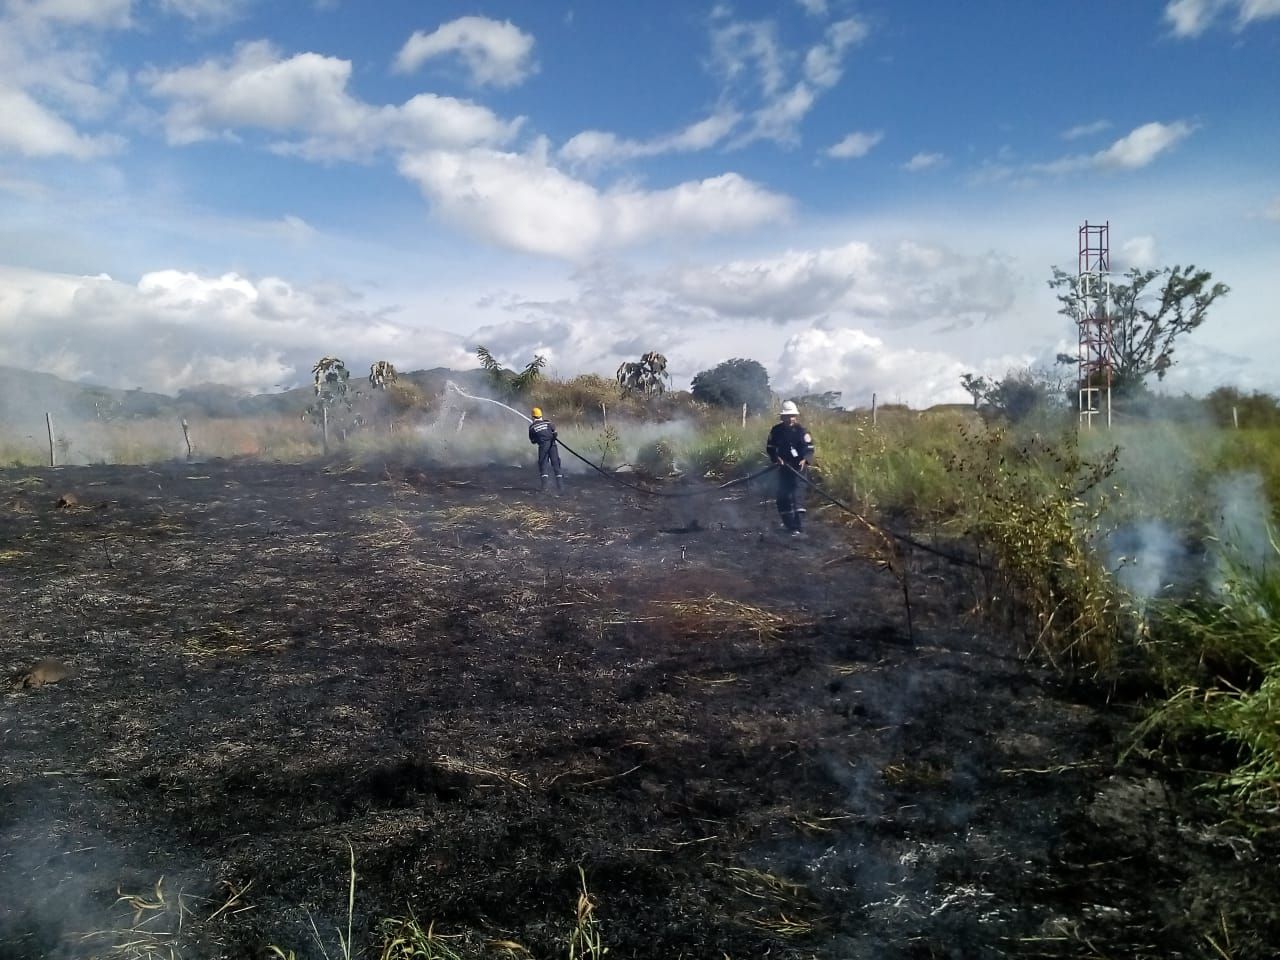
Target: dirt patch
482 690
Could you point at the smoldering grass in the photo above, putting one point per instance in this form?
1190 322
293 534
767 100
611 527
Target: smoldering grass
1222 660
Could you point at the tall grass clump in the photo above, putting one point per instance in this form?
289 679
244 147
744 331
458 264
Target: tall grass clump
1222 660
719 454
1032 508
895 467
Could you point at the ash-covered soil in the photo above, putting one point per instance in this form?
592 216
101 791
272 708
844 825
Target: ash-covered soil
481 691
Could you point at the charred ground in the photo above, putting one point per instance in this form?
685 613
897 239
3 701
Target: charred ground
482 690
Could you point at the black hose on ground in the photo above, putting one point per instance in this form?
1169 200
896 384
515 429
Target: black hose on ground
664 493
912 541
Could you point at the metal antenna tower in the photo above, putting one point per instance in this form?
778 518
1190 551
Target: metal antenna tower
1097 345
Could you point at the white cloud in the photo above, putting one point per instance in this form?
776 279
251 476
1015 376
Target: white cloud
496 53
856 144
53 79
749 51
815 8
756 67
1142 145
823 64
88 13
1191 18
175 329
923 161
1272 210
596 147
859 364
1140 252
898 286
522 202
30 129
1086 129
307 95
215 11
1136 149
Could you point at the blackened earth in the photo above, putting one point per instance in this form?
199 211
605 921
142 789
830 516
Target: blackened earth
487 695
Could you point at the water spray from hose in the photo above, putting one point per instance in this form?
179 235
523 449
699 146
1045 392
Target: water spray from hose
450 385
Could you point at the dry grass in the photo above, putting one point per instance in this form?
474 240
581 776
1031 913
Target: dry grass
718 615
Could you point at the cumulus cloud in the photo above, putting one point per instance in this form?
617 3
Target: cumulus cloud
29 129
523 202
856 144
306 96
858 364
900 286
52 79
923 161
174 329
495 53
1191 18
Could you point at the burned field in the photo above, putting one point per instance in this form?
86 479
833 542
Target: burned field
488 698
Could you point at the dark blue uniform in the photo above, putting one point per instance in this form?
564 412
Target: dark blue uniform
790 444
543 432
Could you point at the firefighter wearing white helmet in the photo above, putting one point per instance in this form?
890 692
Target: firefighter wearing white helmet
790 446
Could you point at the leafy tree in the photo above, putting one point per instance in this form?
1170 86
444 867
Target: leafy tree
648 377
1150 310
977 387
1019 394
382 374
732 383
508 383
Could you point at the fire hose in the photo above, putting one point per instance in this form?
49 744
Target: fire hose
613 476
904 538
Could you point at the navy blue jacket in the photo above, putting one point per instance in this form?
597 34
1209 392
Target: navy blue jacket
790 444
542 431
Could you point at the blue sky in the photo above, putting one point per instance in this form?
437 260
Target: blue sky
863 196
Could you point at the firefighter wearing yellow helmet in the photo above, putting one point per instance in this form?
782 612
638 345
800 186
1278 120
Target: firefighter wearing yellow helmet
543 432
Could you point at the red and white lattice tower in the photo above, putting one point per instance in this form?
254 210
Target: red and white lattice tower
1093 319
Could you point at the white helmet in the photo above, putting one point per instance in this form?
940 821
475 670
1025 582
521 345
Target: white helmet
789 409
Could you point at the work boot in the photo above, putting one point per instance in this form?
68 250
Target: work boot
559 483
542 484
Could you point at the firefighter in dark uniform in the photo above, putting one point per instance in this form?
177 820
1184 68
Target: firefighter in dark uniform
790 446
543 433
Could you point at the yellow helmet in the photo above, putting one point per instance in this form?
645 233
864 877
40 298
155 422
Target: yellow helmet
537 412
